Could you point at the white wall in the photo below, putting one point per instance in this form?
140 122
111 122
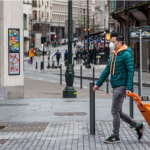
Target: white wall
10 17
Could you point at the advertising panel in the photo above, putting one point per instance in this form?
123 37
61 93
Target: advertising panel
14 64
14 40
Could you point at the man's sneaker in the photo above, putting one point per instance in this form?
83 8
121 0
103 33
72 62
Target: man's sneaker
140 131
112 139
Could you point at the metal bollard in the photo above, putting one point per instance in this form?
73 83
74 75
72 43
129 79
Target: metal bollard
94 74
60 73
41 65
139 87
131 107
36 66
81 77
92 109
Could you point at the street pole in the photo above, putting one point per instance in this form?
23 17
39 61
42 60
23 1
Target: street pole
84 28
43 56
69 91
131 101
88 59
84 57
93 31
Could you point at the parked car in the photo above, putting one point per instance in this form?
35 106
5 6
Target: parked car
75 39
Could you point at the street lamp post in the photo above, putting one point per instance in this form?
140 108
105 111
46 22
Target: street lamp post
88 59
93 30
84 56
84 27
69 91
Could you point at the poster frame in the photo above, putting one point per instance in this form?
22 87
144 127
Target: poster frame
8 40
9 63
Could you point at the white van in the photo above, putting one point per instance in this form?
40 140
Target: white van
75 39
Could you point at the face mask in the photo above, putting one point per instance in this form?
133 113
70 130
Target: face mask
111 46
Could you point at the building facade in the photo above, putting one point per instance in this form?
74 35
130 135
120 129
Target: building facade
27 13
47 18
139 16
60 15
101 16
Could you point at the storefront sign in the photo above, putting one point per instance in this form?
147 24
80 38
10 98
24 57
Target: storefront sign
135 33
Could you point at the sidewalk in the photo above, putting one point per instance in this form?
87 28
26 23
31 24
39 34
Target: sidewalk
45 121
38 123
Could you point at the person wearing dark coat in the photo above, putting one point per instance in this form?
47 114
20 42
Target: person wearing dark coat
57 54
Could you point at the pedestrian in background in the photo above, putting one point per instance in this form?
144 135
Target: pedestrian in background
94 55
58 55
121 68
65 56
31 55
91 56
77 56
54 44
80 55
74 44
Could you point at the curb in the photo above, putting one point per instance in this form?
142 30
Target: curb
91 78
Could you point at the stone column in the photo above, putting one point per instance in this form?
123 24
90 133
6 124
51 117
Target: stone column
11 16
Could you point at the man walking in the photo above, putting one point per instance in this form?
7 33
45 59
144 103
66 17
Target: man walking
57 54
121 68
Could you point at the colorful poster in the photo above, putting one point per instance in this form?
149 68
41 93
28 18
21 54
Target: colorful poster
14 64
14 40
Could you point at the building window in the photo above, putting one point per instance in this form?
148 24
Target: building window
35 15
36 27
112 6
39 15
25 21
47 15
42 2
47 3
34 3
42 14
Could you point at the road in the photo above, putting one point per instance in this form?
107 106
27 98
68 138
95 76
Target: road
51 75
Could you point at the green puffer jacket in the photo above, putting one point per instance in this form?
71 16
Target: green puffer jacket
121 67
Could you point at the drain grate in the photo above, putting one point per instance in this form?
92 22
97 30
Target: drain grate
2 141
2 125
14 104
71 114
25 127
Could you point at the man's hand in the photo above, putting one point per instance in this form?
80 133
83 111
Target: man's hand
95 87
128 92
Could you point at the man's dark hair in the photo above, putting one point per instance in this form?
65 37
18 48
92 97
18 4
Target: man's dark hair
119 36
